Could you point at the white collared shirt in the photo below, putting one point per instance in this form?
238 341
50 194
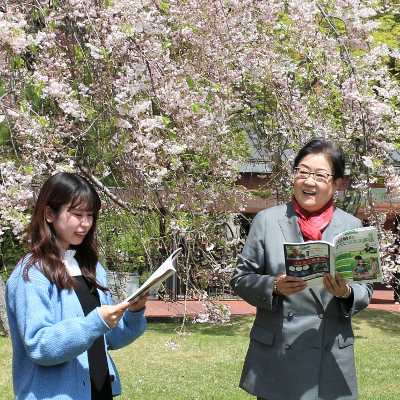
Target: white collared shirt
69 260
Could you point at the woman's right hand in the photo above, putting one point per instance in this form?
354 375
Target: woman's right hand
288 285
112 314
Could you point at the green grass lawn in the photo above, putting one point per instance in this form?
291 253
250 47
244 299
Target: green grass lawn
208 363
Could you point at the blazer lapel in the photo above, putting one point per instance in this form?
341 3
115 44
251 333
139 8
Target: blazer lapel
290 227
335 227
291 231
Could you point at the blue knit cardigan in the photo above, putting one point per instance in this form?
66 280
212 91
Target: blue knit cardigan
50 337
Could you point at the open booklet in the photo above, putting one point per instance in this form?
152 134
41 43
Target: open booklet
164 271
355 254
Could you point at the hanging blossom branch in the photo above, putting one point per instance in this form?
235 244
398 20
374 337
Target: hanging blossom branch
117 200
338 36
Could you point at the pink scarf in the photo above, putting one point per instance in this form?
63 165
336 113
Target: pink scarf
312 225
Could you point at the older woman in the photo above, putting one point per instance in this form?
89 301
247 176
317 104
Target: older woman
301 343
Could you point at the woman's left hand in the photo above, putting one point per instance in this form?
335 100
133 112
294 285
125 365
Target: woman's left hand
337 286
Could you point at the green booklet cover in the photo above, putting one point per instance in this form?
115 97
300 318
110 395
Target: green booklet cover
354 253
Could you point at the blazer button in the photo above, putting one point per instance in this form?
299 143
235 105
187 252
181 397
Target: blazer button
321 315
328 348
288 346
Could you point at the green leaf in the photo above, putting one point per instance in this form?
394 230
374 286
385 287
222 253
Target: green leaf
17 62
190 82
23 108
166 45
196 107
78 52
42 121
164 6
29 169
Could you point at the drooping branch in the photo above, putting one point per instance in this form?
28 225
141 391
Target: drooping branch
353 196
92 178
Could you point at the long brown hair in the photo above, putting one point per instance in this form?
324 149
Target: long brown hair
44 248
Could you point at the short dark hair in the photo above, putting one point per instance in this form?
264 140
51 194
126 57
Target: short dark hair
329 149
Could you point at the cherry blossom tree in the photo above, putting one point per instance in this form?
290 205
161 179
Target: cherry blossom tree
109 90
156 102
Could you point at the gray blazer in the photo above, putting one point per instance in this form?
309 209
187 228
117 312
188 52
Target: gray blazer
301 346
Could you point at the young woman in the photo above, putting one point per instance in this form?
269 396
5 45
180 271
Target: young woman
62 318
301 344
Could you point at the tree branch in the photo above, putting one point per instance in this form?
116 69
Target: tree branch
124 204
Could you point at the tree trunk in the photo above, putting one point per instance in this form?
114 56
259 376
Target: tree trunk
352 202
4 326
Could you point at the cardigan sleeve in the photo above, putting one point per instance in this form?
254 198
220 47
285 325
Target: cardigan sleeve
48 338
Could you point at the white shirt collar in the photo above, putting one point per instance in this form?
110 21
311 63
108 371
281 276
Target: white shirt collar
69 260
